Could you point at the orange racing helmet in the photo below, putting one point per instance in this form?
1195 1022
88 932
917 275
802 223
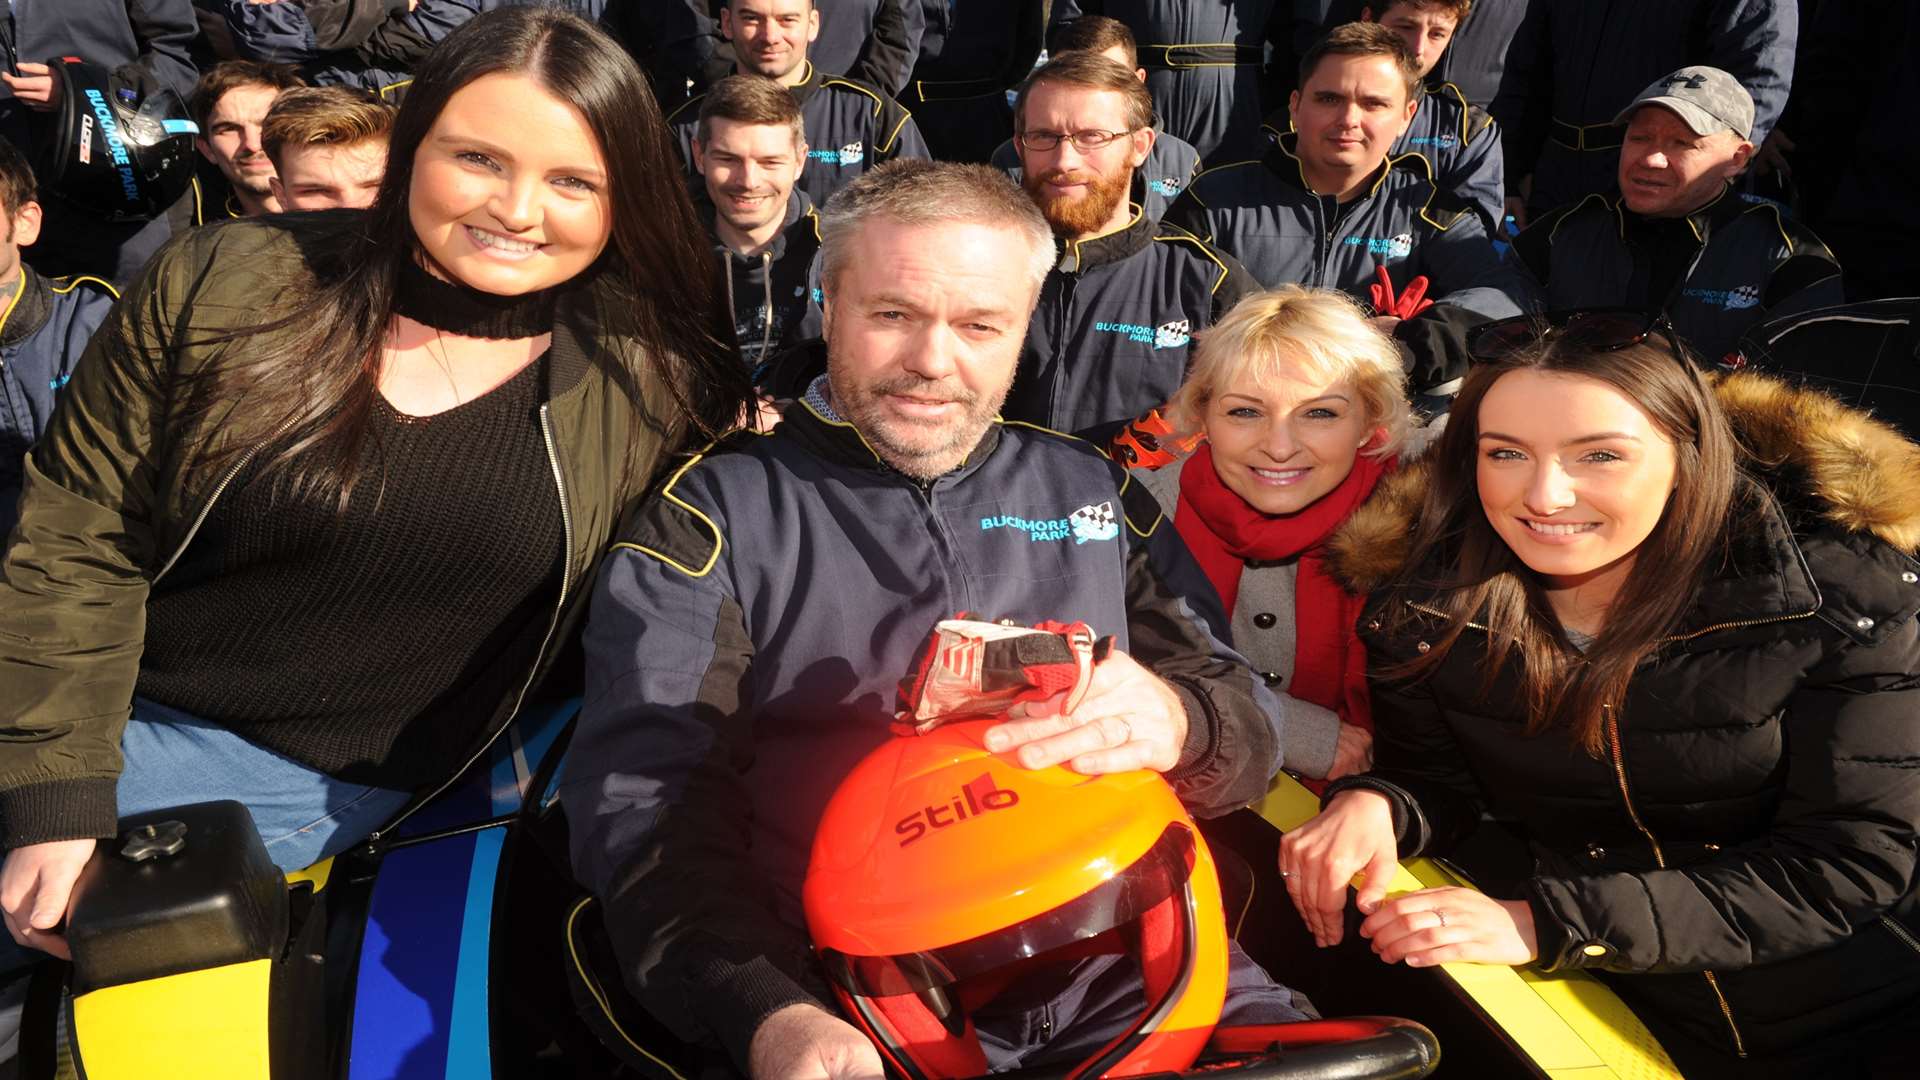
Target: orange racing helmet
942 873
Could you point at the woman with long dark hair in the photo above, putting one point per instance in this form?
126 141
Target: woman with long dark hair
1664 627
318 506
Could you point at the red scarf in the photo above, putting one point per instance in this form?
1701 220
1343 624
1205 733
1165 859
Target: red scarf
1223 532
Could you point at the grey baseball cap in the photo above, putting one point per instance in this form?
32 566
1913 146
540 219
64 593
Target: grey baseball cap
1707 98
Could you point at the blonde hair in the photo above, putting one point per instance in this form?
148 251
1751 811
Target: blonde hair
1318 334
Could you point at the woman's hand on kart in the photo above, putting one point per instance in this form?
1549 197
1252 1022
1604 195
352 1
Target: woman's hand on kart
1129 719
805 1042
1440 926
1317 861
36 885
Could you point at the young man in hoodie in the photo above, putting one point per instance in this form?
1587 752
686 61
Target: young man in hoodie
749 149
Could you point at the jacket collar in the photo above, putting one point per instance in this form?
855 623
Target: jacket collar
838 441
578 321
804 90
1718 211
1283 160
25 308
1080 256
1827 467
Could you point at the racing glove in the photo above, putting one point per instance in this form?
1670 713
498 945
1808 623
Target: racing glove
971 668
1411 301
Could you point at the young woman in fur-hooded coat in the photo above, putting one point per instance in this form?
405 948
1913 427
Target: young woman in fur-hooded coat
1664 627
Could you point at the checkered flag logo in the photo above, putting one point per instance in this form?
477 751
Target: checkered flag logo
1094 523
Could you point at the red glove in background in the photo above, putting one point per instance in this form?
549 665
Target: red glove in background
1412 300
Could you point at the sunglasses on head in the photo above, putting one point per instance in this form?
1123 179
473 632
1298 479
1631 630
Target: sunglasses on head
1594 329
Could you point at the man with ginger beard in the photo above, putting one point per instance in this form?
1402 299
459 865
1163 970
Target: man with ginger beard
1109 338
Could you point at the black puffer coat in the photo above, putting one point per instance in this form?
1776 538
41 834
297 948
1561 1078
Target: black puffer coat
1740 862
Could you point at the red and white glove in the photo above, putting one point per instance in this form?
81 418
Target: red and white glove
1411 301
973 668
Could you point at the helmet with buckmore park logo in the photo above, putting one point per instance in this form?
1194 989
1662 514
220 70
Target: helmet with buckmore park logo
942 873
114 148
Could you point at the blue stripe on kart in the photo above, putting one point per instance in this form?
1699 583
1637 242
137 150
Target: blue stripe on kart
420 1004
470 1042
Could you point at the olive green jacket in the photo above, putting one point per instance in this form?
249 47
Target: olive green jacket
108 505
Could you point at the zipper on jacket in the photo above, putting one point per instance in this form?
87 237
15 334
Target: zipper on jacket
1808 614
207 508
559 605
766 313
1659 857
1906 937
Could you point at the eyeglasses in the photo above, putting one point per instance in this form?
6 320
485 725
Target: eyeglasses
1084 141
1593 329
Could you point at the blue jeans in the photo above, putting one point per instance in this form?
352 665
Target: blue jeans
304 815
173 759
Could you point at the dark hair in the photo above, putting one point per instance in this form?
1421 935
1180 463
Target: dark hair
17 185
1364 39
1460 564
1095 72
310 392
750 99
231 75
323 116
1094 33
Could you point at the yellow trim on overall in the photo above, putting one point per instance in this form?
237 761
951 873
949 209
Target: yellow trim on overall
13 302
1126 480
58 290
666 492
209 1025
1569 1024
879 103
72 283
391 87
1611 207
1072 247
592 983
894 136
199 211
1186 237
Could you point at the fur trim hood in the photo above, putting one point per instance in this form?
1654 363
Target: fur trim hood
1862 474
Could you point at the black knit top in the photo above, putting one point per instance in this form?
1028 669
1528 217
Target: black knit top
372 643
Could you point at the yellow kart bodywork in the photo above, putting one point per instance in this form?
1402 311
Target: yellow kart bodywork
1569 1023
210 1024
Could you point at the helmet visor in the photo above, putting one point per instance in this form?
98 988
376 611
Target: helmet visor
1121 899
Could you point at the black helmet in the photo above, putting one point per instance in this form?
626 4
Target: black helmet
113 149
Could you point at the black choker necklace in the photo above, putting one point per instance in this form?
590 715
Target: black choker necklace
460 309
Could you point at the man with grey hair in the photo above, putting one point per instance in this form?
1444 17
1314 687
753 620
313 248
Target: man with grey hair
748 632
1676 239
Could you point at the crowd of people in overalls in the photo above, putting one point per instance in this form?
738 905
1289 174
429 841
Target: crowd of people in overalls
1489 410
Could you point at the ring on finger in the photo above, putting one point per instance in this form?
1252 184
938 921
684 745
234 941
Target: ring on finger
1442 912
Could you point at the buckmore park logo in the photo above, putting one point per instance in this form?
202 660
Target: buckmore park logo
1398 247
1737 299
851 154
1168 335
1089 524
1165 187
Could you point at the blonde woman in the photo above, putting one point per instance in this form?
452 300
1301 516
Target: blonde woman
1299 405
